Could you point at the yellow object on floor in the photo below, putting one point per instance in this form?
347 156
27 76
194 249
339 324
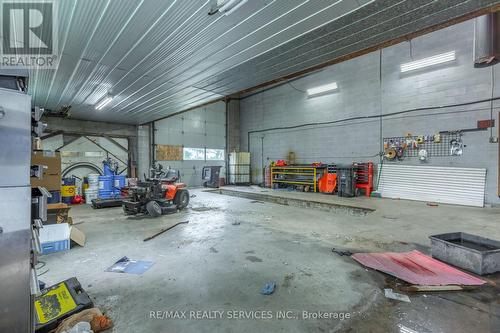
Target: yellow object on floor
54 304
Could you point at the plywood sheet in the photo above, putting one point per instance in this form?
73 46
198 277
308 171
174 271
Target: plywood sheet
168 153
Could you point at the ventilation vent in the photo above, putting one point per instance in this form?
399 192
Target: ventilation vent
487 40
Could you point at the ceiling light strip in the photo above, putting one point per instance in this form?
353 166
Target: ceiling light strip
430 61
103 103
327 88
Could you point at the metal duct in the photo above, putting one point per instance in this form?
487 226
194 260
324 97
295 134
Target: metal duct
487 40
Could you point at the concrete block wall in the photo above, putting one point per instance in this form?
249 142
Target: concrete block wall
373 85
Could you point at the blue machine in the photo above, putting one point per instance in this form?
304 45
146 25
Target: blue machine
105 187
110 184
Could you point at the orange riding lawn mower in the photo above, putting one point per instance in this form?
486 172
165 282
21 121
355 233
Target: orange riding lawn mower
157 195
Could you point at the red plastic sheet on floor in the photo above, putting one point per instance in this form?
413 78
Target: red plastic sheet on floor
417 268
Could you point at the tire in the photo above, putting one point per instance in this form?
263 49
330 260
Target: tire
127 212
181 199
153 209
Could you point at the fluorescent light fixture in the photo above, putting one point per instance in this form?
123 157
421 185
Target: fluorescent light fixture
105 101
231 6
327 88
430 61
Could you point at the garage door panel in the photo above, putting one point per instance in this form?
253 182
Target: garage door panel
194 140
460 186
215 129
194 126
215 142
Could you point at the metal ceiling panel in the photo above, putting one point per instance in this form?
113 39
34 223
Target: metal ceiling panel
254 45
160 57
342 37
173 71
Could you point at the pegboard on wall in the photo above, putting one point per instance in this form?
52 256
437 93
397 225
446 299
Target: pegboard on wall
441 144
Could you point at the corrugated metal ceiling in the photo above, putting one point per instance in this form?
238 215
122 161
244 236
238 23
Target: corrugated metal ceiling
160 57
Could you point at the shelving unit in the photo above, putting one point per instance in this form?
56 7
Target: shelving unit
297 175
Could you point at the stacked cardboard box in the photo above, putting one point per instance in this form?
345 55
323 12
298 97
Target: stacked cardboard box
51 179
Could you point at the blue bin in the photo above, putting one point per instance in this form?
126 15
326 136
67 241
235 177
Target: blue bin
69 181
67 200
118 184
56 197
102 194
105 187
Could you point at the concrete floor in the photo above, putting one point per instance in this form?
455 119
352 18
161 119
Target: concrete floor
232 246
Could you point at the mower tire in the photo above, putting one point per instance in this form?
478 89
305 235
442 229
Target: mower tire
153 208
181 198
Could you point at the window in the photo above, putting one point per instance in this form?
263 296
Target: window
215 155
93 154
202 154
82 153
194 154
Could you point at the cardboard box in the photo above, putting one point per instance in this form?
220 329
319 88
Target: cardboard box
58 213
54 238
77 236
51 179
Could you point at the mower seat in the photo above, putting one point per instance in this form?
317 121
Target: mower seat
171 179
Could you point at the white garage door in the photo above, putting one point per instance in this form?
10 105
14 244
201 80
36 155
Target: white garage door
460 186
202 129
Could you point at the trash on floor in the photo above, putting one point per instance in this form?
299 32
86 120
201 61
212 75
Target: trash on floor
236 223
342 252
416 268
432 204
89 319
164 230
125 265
58 302
269 288
427 289
81 327
389 293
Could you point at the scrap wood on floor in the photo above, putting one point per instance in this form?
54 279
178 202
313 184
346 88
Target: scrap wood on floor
416 268
163 230
426 289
